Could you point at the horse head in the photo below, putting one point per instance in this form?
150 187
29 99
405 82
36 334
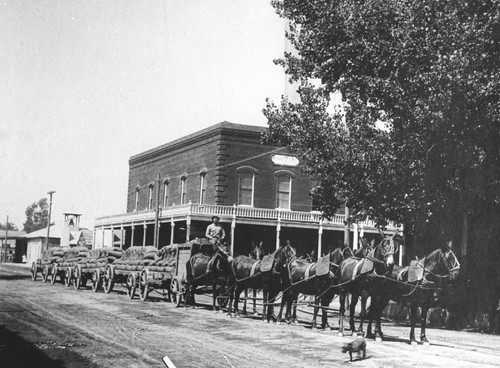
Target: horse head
384 251
339 254
284 255
222 259
257 252
449 261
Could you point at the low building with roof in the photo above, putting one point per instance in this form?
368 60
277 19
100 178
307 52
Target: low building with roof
13 245
65 234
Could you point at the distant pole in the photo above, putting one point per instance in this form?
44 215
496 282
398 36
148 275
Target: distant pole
4 253
157 214
48 223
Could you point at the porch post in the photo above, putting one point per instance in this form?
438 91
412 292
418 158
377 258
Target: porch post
172 228
102 228
132 239
320 235
188 227
233 226
145 227
355 239
278 229
112 235
122 237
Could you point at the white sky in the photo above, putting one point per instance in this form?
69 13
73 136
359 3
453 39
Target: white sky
84 85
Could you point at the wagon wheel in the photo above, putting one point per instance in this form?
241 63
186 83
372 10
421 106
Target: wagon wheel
109 279
45 273
131 285
96 280
34 271
68 277
77 274
53 274
176 292
144 285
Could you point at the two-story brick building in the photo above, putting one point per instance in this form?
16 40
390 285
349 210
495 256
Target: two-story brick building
259 192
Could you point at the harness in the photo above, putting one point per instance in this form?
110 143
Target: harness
254 266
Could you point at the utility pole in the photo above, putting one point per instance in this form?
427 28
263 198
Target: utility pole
157 214
48 223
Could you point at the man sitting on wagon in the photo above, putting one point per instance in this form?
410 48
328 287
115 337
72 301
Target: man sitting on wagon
215 234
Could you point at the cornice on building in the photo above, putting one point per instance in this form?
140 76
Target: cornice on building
220 129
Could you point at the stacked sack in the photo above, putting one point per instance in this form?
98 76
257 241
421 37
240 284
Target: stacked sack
136 258
53 255
101 257
74 255
167 257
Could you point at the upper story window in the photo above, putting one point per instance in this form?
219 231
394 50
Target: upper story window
165 193
284 189
203 185
151 196
246 185
136 206
183 189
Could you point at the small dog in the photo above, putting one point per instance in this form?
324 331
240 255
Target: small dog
355 346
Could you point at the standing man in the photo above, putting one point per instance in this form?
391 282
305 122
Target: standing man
215 233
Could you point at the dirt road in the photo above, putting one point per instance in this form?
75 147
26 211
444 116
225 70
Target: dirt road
47 325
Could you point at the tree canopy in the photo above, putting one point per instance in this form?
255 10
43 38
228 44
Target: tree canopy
418 138
37 216
10 226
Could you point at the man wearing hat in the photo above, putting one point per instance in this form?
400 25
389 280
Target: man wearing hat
215 233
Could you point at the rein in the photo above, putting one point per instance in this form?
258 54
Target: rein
455 268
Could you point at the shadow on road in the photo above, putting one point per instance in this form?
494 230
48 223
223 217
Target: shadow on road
14 277
17 352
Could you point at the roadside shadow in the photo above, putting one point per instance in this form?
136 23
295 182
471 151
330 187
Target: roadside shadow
17 352
15 277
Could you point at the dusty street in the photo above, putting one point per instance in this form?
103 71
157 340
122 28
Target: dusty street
47 325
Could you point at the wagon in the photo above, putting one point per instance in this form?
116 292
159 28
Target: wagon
64 267
92 268
168 272
127 269
45 263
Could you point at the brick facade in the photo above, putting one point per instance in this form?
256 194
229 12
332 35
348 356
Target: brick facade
219 152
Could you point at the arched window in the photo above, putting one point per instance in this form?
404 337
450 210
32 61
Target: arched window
136 207
183 189
165 192
246 185
151 196
203 184
283 189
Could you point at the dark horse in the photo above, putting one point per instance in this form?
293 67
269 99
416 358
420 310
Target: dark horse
249 273
257 254
360 277
316 279
416 285
214 271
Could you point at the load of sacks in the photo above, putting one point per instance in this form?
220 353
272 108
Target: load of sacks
53 255
101 257
136 258
74 255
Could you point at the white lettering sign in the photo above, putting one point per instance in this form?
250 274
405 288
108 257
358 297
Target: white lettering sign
283 160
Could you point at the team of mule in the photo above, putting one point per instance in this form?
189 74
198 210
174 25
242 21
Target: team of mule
181 271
